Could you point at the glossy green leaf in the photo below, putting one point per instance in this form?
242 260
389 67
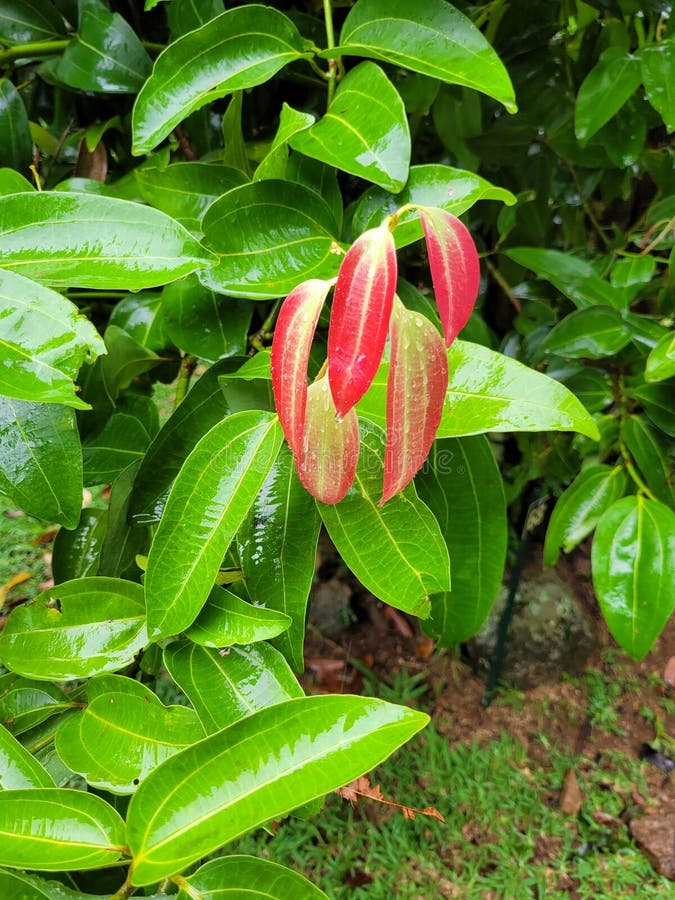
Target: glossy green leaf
140 315
106 55
633 271
227 619
122 442
252 877
573 277
207 504
633 558
229 783
15 141
204 323
43 342
24 21
25 704
653 454
124 539
19 768
580 508
186 15
41 460
75 554
277 546
226 687
462 486
239 49
185 190
75 630
661 360
320 178
591 386
397 551
21 886
203 407
488 391
291 121
365 130
120 738
453 190
270 236
85 240
593 332
604 90
13 183
657 401
126 359
438 41
658 73
56 829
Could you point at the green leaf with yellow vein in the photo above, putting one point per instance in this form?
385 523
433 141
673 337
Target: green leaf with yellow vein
43 342
633 557
224 688
58 829
75 629
41 459
251 877
18 767
397 551
120 738
462 486
258 769
207 503
365 130
437 40
269 236
84 240
239 49
25 704
488 391
227 619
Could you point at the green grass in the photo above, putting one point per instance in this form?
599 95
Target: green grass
503 831
19 552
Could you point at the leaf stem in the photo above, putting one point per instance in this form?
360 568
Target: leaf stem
33 49
257 340
330 41
632 471
187 366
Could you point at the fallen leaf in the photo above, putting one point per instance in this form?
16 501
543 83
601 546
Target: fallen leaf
570 795
399 621
17 579
669 672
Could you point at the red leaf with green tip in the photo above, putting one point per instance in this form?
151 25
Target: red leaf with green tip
416 386
331 446
359 321
291 344
455 270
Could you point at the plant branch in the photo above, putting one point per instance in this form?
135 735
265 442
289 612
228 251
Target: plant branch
330 40
632 471
187 366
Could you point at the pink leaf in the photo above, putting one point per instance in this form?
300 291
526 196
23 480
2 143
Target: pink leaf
331 446
455 269
360 316
291 344
416 386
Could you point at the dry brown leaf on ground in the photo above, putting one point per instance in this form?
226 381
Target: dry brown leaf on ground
361 787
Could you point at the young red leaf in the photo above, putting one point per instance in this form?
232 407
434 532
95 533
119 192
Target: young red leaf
360 316
331 446
291 344
418 380
455 270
